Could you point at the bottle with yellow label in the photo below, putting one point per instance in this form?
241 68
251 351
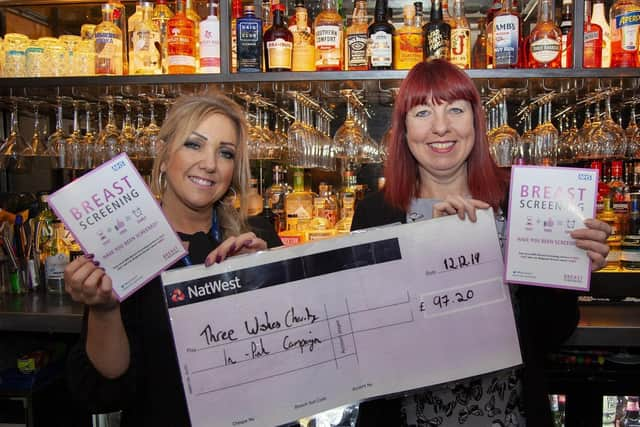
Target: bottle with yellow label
407 41
460 37
303 41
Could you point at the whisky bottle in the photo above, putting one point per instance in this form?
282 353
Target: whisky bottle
298 204
609 216
380 34
496 6
161 16
276 195
437 35
210 41
479 53
566 57
181 43
108 43
592 55
625 23
505 36
545 38
598 17
460 37
303 41
357 39
328 38
407 41
236 12
278 43
249 39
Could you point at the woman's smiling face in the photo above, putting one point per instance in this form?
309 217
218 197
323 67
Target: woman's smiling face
441 136
200 169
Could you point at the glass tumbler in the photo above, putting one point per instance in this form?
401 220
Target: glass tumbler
15 46
55 56
35 60
84 58
70 43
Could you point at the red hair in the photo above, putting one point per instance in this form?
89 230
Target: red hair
439 81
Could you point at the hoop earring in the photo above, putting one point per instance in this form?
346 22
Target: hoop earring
162 183
230 199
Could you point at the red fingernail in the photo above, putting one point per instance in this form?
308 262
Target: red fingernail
218 258
89 256
232 248
96 263
248 243
207 262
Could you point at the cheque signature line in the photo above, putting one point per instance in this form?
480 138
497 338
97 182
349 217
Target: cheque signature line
265 378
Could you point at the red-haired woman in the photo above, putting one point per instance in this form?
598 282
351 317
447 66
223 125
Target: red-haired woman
439 164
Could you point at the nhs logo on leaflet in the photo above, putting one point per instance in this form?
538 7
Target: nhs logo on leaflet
585 177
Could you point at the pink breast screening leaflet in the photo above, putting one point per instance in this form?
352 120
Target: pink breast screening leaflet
545 205
271 337
113 215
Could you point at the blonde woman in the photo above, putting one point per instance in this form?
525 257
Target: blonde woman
126 359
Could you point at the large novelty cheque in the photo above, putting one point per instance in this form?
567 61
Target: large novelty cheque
271 337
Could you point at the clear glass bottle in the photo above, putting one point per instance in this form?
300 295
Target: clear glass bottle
161 16
407 41
144 57
328 37
479 53
545 40
460 37
181 43
119 17
254 199
303 41
357 39
276 195
108 42
56 259
599 18
625 24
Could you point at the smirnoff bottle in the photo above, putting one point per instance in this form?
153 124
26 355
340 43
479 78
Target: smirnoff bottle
545 39
505 38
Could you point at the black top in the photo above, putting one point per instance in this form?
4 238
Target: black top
545 318
150 392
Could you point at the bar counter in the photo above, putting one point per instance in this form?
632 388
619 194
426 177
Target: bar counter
39 312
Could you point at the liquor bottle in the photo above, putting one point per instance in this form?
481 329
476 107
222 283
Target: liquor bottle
266 15
108 42
357 39
44 230
407 41
303 41
278 43
545 39
328 41
298 204
276 195
249 39
625 25
326 204
18 281
632 413
506 34
144 57
119 18
496 6
566 60
436 35
236 12
598 17
131 23
254 199
56 259
191 13
419 22
181 43
479 53
161 16
614 240
460 37
630 246
592 56
210 41
446 16
380 34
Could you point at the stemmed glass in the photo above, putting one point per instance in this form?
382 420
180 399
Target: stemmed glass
568 147
107 145
88 141
348 139
546 137
582 137
14 145
296 135
57 141
502 141
151 133
609 136
36 149
75 151
633 134
522 151
127 138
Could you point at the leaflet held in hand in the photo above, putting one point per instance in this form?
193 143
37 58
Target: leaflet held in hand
545 205
113 215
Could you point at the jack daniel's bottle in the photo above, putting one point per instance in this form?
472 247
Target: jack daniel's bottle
437 35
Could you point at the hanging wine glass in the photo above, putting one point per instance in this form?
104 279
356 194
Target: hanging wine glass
14 145
151 133
567 146
504 138
522 152
348 139
609 137
546 138
296 135
88 142
75 160
36 149
127 138
57 142
107 146
632 133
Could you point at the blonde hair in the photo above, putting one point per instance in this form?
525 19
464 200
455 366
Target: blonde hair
182 119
